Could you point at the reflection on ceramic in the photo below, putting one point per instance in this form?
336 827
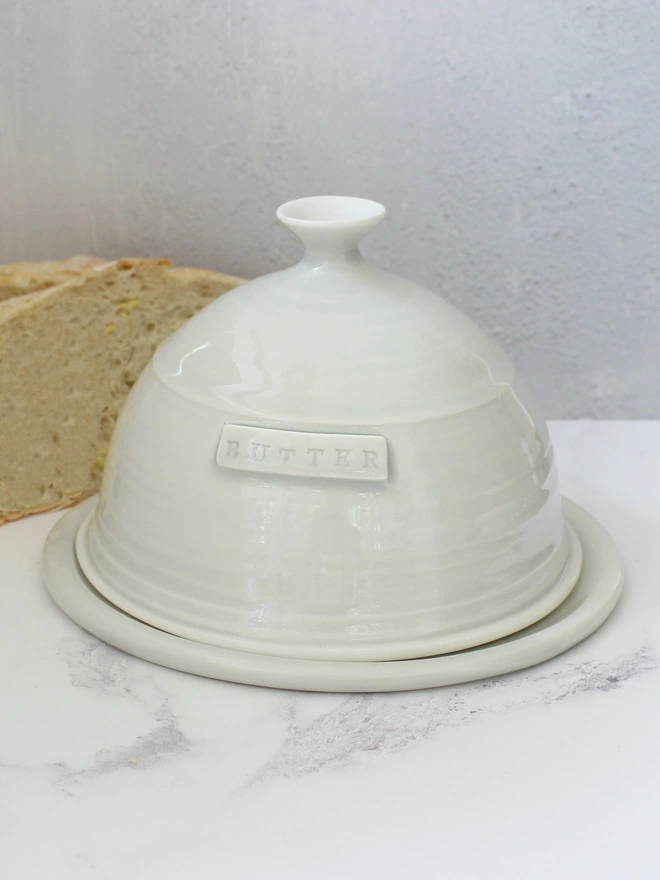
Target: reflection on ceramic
585 609
331 463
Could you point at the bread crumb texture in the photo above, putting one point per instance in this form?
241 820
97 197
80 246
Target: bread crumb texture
69 355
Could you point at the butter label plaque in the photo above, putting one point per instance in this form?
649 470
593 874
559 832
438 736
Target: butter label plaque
303 454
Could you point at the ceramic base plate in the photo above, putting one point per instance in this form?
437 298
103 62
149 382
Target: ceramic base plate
591 601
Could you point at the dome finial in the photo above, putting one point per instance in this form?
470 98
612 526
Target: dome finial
330 226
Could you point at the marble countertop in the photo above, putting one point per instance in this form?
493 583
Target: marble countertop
113 768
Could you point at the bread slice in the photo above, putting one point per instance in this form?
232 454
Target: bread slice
68 357
18 278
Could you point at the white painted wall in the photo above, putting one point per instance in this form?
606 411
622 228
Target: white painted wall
515 144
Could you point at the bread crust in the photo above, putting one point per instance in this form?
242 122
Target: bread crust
7 516
17 279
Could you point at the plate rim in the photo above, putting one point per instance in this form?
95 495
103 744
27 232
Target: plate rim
588 605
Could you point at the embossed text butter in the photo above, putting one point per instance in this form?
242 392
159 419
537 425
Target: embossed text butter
303 454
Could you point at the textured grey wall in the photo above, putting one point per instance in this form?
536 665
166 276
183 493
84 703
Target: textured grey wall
514 143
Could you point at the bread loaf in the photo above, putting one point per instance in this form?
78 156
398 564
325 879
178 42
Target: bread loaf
69 355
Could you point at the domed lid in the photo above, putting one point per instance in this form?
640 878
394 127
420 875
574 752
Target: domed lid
334 337
331 462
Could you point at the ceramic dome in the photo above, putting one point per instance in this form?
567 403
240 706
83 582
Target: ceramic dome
331 462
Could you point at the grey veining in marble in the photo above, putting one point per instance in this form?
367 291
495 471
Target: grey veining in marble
369 725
